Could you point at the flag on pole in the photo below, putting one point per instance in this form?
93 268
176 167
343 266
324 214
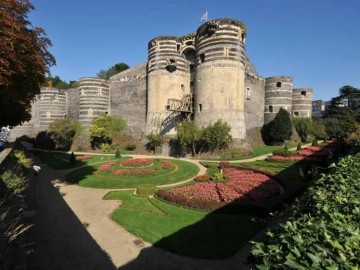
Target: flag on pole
204 18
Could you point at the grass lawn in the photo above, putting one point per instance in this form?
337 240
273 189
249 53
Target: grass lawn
60 160
285 170
184 231
88 177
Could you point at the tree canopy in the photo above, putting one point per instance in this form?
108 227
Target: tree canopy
115 69
24 61
279 129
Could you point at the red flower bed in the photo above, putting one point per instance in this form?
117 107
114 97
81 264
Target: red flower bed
243 184
133 172
106 166
166 164
83 157
313 148
305 152
136 162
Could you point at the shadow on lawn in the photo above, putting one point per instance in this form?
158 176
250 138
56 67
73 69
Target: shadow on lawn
222 233
60 240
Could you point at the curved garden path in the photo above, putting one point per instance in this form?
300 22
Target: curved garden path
73 230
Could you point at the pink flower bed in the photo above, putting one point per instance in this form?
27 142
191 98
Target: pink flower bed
133 172
242 184
137 162
313 148
106 166
83 157
305 152
166 164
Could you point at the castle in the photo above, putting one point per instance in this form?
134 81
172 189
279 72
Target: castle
204 76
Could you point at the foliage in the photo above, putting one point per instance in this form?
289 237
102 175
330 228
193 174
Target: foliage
213 137
14 181
117 153
322 231
43 140
188 136
115 69
318 130
279 129
58 83
284 153
353 140
24 60
62 132
130 147
22 159
154 140
303 126
145 190
286 148
202 178
314 142
216 136
103 128
298 147
72 159
105 147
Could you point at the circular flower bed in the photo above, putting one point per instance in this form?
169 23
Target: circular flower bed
106 166
133 172
136 162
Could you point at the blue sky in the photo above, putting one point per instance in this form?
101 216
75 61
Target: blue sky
317 42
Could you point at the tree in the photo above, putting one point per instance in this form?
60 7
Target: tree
103 128
303 126
63 131
24 61
188 135
115 69
154 140
280 129
216 136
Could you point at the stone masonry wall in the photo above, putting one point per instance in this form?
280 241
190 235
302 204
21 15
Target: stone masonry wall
128 98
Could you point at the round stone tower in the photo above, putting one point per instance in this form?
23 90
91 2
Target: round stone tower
302 102
278 94
168 83
52 106
93 99
220 75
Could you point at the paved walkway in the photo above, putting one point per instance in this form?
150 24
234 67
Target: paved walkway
74 231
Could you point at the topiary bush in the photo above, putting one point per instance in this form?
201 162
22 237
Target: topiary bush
314 142
130 147
298 148
117 153
72 159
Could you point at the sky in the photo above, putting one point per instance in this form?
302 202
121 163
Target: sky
317 42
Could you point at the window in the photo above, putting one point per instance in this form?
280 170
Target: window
200 107
182 88
296 113
278 84
248 93
271 108
303 93
202 58
191 67
178 47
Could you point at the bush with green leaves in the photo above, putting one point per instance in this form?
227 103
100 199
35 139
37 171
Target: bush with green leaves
16 182
117 153
298 148
322 231
314 142
154 140
63 132
278 130
303 126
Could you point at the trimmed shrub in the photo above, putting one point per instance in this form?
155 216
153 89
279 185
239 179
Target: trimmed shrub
72 159
314 142
298 148
130 147
117 153
284 153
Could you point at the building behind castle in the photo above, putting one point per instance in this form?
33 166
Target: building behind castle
203 76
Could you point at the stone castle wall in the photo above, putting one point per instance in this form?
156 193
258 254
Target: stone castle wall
128 98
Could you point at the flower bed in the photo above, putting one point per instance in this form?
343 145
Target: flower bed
133 172
106 166
83 157
242 184
166 164
136 162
